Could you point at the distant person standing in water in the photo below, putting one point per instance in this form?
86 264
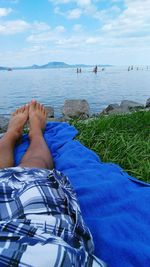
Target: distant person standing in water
95 69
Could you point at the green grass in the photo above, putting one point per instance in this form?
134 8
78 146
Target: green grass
121 139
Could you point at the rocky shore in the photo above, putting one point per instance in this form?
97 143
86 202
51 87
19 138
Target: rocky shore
80 109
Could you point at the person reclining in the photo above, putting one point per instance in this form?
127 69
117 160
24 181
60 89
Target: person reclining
40 219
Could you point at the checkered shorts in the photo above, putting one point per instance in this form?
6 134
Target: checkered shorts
40 221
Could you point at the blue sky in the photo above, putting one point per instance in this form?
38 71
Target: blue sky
74 31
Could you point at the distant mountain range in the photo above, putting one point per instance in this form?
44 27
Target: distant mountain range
4 68
51 65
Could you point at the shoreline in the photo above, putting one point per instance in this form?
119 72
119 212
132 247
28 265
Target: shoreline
80 110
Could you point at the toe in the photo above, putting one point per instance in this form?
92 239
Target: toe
42 108
27 107
22 109
33 101
38 106
44 111
33 104
17 111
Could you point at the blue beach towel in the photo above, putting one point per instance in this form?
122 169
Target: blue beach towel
115 206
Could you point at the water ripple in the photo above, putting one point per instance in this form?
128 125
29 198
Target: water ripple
53 86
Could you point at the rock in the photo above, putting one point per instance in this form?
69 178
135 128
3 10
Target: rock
94 115
148 103
127 105
50 112
3 123
113 109
61 119
76 109
110 108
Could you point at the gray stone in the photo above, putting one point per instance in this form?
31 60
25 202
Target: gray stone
127 105
113 109
94 115
110 108
76 109
119 110
50 112
3 123
148 103
61 119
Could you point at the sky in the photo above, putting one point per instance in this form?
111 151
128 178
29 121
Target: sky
74 31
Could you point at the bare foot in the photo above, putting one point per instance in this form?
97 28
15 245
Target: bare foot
14 131
37 118
17 121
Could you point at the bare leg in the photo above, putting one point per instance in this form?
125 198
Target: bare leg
14 131
38 154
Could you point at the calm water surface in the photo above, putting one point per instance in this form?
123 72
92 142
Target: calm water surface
53 86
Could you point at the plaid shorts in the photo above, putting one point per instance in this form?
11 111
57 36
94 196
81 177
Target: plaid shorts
40 221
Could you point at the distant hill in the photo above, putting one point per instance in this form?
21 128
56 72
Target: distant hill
3 68
53 65
105 65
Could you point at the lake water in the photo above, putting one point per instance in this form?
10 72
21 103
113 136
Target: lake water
53 86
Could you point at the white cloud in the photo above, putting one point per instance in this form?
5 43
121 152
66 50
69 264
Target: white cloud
92 40
56 2
40 38
61 40
75 49
60 29
74 13
78 2
82 7
40 26
13 27
18 26
70 14
51 36
77 27
5 12
83 3
134 20
122 34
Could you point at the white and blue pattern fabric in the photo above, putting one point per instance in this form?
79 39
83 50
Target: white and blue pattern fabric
40 221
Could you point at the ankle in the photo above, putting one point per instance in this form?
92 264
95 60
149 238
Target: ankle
12 135
35 134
